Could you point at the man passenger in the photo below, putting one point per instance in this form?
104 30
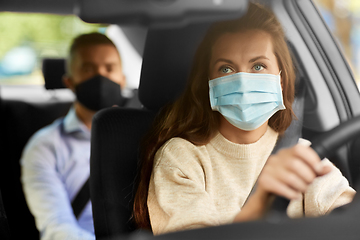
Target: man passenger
56 160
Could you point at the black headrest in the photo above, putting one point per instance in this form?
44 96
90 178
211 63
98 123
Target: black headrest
167 60
53 70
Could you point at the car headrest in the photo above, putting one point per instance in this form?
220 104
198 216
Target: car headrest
53 70
167 60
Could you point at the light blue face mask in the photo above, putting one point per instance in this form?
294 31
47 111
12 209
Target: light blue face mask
246 100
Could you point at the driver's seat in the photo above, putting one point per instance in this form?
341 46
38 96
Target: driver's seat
117 132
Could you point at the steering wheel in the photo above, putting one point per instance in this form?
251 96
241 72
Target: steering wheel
325 145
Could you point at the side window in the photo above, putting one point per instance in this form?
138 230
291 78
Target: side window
27 38
343 18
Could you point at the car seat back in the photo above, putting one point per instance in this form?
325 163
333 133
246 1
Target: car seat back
166 64
116 133
4 225
53 70
19 121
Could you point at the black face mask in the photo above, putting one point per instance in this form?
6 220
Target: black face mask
99 92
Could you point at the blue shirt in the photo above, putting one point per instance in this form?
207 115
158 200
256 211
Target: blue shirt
55 164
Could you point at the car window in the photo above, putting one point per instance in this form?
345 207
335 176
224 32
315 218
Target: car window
27 38
342 18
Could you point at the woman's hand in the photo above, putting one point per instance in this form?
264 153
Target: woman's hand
289 172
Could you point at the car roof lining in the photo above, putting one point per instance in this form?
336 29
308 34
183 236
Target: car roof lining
150 13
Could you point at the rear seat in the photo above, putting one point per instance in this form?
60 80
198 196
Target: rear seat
19 121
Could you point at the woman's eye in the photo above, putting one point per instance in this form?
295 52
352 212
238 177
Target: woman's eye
226 70
258 67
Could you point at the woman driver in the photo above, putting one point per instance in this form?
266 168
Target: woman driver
208 148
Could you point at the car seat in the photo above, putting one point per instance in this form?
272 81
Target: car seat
21 120
4 225
117 132
53 70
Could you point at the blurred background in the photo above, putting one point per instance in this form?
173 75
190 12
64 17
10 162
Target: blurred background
343 20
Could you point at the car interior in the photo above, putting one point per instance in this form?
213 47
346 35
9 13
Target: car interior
326 96
115 142
22 121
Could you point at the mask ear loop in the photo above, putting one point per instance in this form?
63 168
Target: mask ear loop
280 72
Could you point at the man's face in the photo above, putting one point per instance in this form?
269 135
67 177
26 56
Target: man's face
102 59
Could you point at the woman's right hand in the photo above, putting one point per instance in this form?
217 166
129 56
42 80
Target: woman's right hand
289 172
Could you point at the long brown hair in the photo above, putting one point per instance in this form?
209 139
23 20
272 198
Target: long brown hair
191 118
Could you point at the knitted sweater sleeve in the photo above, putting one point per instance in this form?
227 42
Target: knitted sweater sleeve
324 194
327 192
177 197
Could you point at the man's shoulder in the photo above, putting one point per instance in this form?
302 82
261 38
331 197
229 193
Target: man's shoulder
42 142
48 133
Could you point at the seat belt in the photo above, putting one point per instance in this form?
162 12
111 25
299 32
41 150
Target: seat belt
81 199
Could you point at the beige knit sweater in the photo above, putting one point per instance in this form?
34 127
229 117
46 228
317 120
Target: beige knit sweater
196 186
